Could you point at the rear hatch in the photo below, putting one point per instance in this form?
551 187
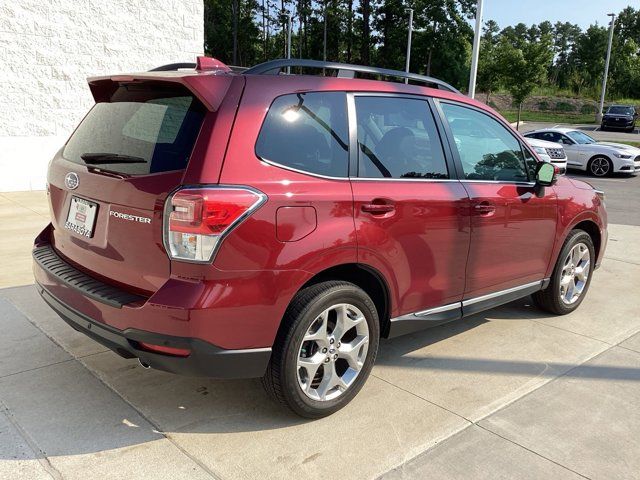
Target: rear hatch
109 182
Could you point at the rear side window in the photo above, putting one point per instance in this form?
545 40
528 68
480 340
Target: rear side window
307 132
140 130
488 151
397 138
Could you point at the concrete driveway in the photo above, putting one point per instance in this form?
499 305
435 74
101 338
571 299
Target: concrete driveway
510 393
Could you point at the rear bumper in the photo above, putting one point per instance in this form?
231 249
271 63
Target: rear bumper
120 321
205 359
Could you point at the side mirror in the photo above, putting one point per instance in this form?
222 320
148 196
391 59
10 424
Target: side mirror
546 174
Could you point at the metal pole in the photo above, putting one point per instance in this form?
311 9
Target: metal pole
475 52
406 68
324 48
289 42
606 69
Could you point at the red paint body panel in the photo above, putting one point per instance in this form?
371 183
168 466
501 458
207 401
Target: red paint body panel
421 247
431 248
511 245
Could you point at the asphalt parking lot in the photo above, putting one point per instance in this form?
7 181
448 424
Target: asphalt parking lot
509 393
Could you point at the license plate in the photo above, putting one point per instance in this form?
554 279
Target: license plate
82 216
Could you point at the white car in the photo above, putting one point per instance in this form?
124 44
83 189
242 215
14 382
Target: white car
585 153
549 152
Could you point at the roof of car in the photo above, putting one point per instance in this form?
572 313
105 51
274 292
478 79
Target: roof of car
552 129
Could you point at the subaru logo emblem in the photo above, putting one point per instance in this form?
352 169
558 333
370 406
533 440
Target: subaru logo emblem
71 180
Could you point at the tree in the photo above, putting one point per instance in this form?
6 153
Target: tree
489 75
524 66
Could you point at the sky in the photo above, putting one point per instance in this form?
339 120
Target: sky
582 12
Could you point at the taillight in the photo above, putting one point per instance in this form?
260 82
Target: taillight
197 219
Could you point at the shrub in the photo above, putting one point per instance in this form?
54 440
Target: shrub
587 109
543 105
565 107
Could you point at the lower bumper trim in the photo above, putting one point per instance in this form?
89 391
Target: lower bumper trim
205 360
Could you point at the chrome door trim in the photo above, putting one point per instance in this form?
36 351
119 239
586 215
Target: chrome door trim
500 293
443 308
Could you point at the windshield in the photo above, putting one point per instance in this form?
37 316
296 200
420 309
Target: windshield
619 110
579 137
141 130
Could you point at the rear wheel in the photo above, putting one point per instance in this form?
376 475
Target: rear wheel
600 166
571 276
325 349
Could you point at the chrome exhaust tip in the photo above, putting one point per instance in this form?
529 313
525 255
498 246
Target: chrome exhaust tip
144 365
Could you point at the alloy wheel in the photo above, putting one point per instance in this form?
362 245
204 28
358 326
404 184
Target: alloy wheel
575 273
333 352
600 166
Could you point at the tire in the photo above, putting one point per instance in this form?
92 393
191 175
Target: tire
551 298
600 166
320 305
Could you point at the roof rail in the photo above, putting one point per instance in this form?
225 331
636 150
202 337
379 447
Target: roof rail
345 70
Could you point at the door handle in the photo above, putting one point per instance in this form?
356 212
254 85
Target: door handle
485 208
378 208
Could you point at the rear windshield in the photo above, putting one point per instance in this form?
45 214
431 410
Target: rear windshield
140 130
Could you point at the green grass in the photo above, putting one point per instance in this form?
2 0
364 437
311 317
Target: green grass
552 117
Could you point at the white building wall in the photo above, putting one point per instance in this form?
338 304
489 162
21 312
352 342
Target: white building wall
49 47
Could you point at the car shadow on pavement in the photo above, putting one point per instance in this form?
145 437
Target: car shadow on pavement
67 409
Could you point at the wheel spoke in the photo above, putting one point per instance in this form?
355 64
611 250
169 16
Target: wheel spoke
565 280
311 365
345 322
582 272
320 334
571 288
330 379
350 351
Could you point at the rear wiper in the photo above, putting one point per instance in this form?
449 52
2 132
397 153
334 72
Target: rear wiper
106 158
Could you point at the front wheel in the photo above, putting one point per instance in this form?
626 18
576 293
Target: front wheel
324 350
600 166
571 276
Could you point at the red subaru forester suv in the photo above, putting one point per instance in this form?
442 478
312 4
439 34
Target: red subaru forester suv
273 223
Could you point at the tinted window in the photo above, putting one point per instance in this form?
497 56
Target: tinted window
140 130
488 150
579 137
307 131
531 163
620 110
397 138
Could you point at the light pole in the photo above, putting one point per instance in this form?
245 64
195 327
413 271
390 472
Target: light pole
286 16
606 68
475 51
406 80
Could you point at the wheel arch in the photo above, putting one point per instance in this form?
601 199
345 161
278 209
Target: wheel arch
365 277
593 230
603 155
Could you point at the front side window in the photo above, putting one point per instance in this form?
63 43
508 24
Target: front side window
307 132
488 151
398 138
579 137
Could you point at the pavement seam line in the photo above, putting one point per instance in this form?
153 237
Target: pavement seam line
532 451
476 422
36 368
40 455
26 208
571 331
78 359
153 424
621 260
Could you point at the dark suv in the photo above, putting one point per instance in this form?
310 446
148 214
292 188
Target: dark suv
262 224
620 117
